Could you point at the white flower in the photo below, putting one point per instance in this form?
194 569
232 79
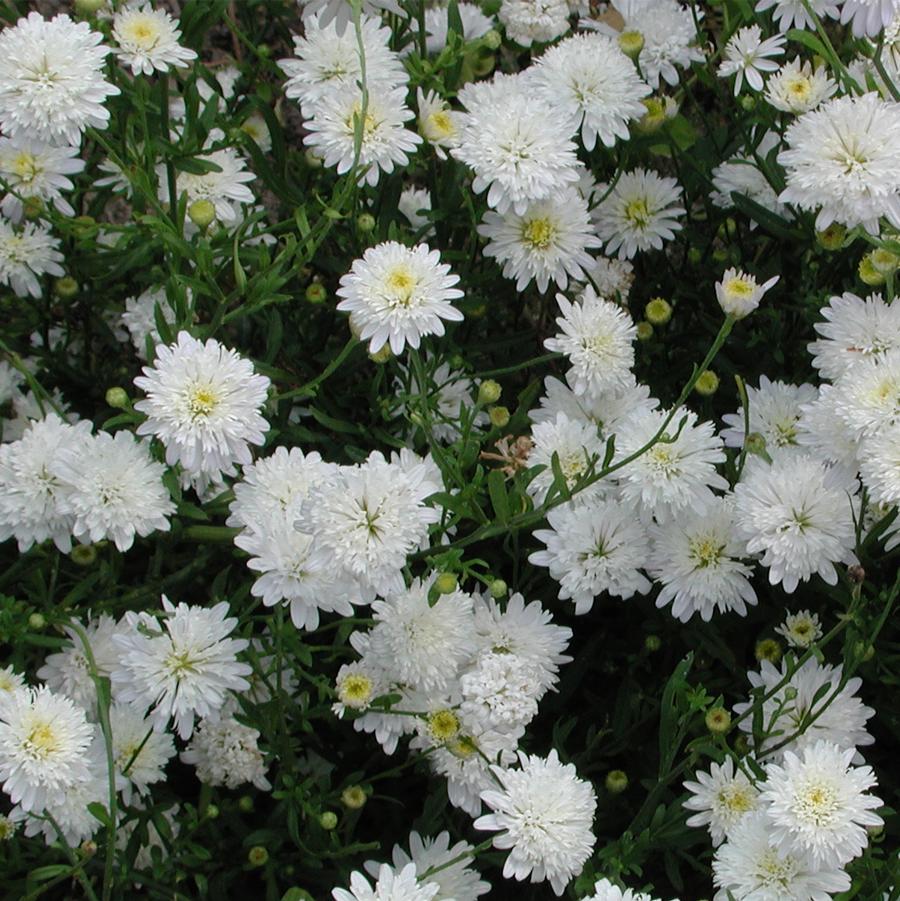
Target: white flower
869 17
501 691
534 20
794 13
722 798
30 492
798 514
367 519
588 79
475 24
113 489
456 882
547 242
203 402
140 753
148 39
67 671
225 752
747 868
438 124
678 472
739 294
420 644
511 143
818 805
413 203
597 337
43 742
814 699
397 295
639 213
385 142
741 175
10 680
604 890
696 558
327 62
224 188
37 170
27 254
341 11
855 330
182 666
746 56
796 88
140 317
546 813
879 465
823 433
390 885
867 396
51 79
593 548
842 159
774 412
801 629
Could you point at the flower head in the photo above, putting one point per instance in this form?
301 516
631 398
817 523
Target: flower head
739 294
27 254
148 39
722 798
746 56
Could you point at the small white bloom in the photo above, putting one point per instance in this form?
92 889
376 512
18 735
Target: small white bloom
538 21
36 170
796 88
795 14
746 56
739 294
867 396
501 691
140 317
604 890
775 409
414 203
390 885
140 753
438 124
148 39
27 254
341 11
397 295
722 798
801 629
741 175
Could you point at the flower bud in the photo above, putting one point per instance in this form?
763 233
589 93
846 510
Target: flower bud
66 287
245 804
768 649
498 588
707 383
616 782
332 214
312 159
202 213
354 797
658 311
446 583
499 417
644 330
832 238
36 622
748 103
718 720
382 355
83 554
868 273
489 392
652 643
328 820
655 117
315 292
631 43
365 222
212 812
884 261
442 725
117 398
491 39
257 856
88 848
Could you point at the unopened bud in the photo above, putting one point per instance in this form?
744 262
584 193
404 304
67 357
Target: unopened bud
856 574
884 261
245 804
315 292
491 39
489 392
631 43
718 720
202 213
88 847
655 117
644 330
212 812
117 398
354 797
499 417
768 649
616 782
658 311
446 583
32 208
652 643
707 383
83 554
868 273
66 287
365 222
257 856
36 622
832 238
498 588
748 103
312 160
382 355
332 214
328 820
756 444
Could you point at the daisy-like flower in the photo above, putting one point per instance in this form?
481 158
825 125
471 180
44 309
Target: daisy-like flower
366 519
748 868
880 465
819 805
797 88
739 294
798 514
419 644
508 143
604 890
30 492
385 141
140 318
39 171
722 798
588 79
696 559
457 881
815 699
868 17
548 242
326 62
224 189
741 175
544 813
539 21
140 753
678 472
438 124
613 277
10 680
640 212
148 39
854 330
801 629
182 664
113 489
593 548
225 752
51 79
775 409
341 11
44 739
794 13
500 691
597 336
27 254
396 295
842 158
414 204
867 396
746 56
390 885
203 402
475 24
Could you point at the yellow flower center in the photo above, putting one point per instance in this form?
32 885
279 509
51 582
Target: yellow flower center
369 123
25 165
178 663
439 125
202 400
736 799
402 283
799 88
816 803
142 31
355 690
464 747
42 741
443 725
538 233
738 287
637 212
706 552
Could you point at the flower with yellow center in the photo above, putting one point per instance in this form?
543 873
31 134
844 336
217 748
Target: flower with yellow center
148 39
442 726
739 294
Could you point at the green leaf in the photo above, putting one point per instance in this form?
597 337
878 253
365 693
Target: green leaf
683 133
99 812
770 221
50 871
497 489
809 40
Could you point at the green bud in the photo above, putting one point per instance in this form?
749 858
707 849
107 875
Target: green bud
257 856
644 330
748 103
365 222
66 287
655 117
328 820
652 643
202 213
32 208
354 797
499 417
382 355
868 273
212 812
707 383
36 622
245 804
498 588
84 226
695 255
718 720
756 444
616 782
332 214
832 238
658 311
884 261
315 292
88 848
117 398
489 392
631 43
312 160
83 554
446 583
491 39
768 649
